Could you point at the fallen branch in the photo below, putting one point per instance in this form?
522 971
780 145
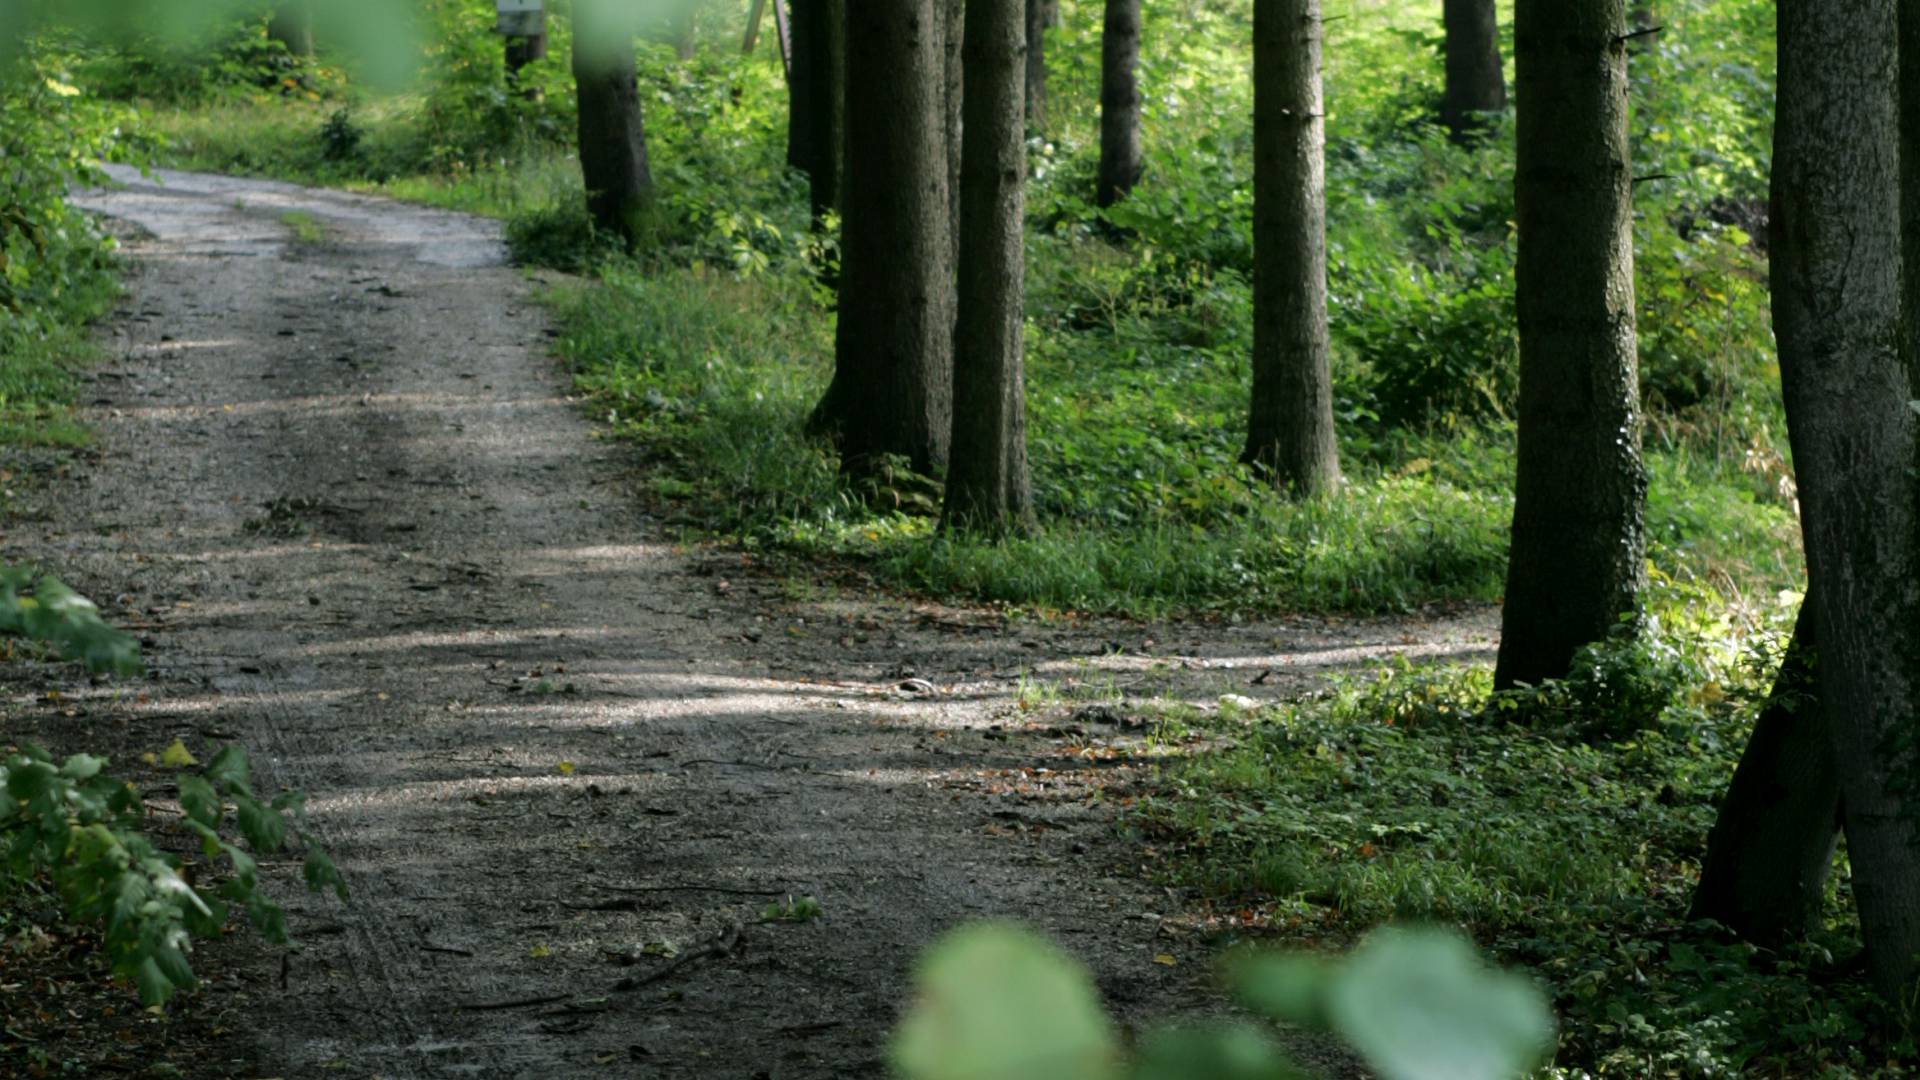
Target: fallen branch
517 1003
721 944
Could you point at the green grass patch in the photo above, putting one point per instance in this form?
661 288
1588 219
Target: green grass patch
1563 827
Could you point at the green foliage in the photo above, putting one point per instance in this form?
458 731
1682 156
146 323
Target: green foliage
86 833
40 607
995 1001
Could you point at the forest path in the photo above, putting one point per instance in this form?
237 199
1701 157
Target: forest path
344 493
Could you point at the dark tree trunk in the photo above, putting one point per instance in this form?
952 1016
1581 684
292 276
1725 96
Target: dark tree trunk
524 49
292 26
613 141
1577 560
987 481
1848 373
1475 83
1290 434
1039 14
816 127
1772 846
1119 102
953 48
893 352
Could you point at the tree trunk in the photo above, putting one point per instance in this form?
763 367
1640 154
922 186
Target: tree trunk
1475 83
292 26
1119 102
1576 564
1848 377
1290 426
987 486
684 37
613 140
522 50
1038 14
1772 846
816 122
953 46
893 351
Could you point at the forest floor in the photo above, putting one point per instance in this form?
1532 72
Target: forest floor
343 493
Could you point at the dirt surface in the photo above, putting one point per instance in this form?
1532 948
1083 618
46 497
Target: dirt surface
345 497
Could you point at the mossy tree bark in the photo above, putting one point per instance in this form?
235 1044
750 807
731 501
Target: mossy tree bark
1476 85
816 125
987 488
893 351
1772 845
1119 102
1290 435
1577 561
1848 372
613 138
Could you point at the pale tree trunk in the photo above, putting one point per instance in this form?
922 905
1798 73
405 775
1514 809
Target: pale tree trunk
1765 873
1290 436
613 140
685 38
893 351
1119 102
1038 13
1475 83
292 26
1848 376
816 132
987 487
1577 561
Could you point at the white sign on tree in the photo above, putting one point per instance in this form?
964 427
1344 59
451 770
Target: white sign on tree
520 18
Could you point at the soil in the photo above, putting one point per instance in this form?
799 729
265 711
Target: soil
342 491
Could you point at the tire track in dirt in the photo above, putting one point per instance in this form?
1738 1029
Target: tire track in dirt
382 549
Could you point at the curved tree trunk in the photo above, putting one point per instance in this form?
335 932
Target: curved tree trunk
1772 846
1577 561
1119 102
893 351
1848 372
1290 434
1475 83
816 126
1040 15
613 140
987 486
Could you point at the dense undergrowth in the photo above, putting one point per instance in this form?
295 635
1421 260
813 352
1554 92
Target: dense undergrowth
1562 825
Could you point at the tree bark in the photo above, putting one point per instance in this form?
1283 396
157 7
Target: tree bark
987 487
1040 15
613 139
1764 876
1848 377
1119 102
1290 435
953 46
292 26
1577 561
1476 85
816 128
893 351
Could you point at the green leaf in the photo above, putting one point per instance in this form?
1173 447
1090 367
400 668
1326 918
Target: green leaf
997 1002
1423 1005
263 826
82 767
199 801
229 771
321 874
1241 1052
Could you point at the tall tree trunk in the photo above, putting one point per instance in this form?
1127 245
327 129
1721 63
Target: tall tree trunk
1475 83
1119 102
1577 560
685 38
1848 373
292 26
1772 845
524 49
987 486
1039 12
1290 434
953 47
613 140
893 351
816 123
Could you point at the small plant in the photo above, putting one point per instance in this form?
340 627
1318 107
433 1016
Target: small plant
340 137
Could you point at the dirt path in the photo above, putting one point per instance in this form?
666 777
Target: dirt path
345 496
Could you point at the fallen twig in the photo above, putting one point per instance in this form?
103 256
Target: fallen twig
517 1003
720 945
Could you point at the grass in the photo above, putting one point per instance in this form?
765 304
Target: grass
41 357
306 228
1562 827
